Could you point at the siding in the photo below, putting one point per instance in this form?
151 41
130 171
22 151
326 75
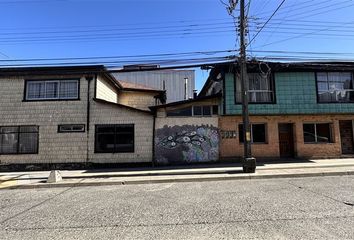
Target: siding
105 90
295 94
53 147
143 127
174 81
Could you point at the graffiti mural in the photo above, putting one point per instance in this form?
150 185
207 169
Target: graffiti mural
186 144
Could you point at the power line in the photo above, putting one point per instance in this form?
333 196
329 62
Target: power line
266 22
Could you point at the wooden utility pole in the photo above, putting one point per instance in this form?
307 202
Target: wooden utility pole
248 163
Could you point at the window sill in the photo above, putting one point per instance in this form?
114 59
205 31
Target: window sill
316 143
52 100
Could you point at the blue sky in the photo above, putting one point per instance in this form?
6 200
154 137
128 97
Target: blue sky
78 28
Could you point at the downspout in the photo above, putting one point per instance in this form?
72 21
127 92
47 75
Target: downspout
89 79
153 140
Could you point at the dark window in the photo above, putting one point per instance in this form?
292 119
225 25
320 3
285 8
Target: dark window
335 87
215 109
317 133
114 138
197 110
71 128
258 133
260 88
206 110
19 140
183 112
52 90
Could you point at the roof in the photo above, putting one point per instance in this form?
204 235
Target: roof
138 87
185 101
67 70
121 105
255 66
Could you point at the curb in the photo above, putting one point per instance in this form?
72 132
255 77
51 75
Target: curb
176 180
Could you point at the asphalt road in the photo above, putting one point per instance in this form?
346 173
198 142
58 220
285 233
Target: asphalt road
299 208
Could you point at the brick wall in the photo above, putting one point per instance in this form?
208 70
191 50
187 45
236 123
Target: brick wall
231 147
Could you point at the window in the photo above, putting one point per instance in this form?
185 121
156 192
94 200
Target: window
183 112
52 90
194 111
114 138
260 88
317 133
19 140
71 128
335 87
258 133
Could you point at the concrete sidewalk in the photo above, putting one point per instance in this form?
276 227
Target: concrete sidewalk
207 172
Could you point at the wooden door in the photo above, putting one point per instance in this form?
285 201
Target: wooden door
286 140
346 136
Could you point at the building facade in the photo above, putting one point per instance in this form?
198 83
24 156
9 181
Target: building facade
296 110
178 84
74 115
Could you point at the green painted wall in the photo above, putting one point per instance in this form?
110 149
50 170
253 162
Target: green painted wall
295 94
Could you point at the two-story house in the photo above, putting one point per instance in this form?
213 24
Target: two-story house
296 109
78 114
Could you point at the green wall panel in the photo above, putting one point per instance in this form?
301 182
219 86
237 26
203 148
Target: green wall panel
295 94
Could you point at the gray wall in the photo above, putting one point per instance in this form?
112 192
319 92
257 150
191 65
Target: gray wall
174 81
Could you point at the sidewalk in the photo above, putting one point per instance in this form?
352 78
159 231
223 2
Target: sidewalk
207 172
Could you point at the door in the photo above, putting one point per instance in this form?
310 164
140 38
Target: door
346 136
286 140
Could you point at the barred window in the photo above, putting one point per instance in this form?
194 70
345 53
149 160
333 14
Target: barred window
18 139
52 89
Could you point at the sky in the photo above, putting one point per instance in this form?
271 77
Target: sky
48 29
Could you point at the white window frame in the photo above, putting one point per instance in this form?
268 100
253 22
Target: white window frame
58 89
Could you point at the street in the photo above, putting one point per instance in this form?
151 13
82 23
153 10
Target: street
284 208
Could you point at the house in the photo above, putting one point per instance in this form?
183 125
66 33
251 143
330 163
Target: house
187 131
74 114
296 109
178 84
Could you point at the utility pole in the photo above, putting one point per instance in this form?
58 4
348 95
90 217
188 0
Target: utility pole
249 162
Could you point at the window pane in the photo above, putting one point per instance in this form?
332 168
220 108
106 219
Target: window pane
240 133
29 129
323 132
35 90
68 89
106 129
335 87
215 109
309 133
8 129
104 142
206 111
9 142
51 89
180 112
258 133
197 110
28 142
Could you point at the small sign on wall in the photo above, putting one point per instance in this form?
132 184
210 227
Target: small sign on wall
228 134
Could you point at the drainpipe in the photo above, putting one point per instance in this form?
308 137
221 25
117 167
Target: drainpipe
88 79
185 88
153 140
